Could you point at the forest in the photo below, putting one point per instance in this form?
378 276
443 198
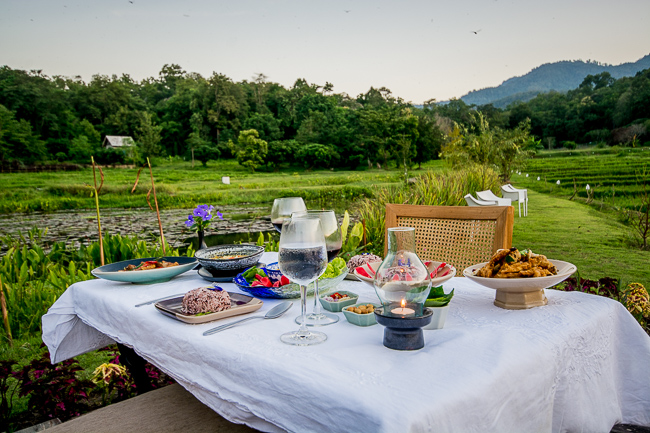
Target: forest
50 120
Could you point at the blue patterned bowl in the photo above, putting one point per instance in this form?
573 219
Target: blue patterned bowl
213 259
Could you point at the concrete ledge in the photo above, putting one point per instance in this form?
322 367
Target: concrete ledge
166 410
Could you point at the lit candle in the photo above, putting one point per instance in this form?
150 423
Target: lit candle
402 311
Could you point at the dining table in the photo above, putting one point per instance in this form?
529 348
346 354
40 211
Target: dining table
579 364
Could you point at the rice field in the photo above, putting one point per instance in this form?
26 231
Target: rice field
615 175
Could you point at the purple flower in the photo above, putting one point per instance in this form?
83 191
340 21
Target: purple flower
200 217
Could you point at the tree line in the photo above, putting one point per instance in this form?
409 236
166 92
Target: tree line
263 124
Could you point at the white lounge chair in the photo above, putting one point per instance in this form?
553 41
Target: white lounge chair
518 195
471 201
489 196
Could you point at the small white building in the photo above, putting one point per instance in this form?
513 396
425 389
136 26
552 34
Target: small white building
118 141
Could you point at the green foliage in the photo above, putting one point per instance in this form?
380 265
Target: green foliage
80 149
17 140
205 152
33 277
249 150
352 242
148 136
317 155
270 244
487 148
281 152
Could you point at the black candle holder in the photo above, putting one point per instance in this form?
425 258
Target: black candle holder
403 333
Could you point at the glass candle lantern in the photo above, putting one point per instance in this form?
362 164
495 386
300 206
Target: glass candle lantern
402 281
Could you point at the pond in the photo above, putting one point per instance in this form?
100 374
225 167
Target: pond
241 223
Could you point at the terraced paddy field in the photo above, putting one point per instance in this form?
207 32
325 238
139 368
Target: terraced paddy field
614 175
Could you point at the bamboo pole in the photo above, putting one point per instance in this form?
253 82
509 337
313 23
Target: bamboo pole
5 314
99 223
155 199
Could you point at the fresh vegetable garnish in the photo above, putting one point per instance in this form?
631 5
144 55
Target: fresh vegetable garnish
256 277
441 266
362 271
249 275
437 297
334 268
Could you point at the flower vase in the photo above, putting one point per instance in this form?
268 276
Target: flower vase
201 245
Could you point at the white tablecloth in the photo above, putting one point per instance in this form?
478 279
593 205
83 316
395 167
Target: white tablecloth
581 363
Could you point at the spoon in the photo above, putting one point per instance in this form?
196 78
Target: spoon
273 313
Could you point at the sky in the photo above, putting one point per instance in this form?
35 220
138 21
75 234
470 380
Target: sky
418 49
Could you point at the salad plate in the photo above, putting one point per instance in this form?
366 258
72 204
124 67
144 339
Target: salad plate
441 272
116 272
291 290
239 304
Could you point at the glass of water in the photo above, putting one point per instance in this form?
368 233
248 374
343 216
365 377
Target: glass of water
302 258
333 242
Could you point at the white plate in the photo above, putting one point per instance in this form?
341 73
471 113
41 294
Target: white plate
564 271
431 266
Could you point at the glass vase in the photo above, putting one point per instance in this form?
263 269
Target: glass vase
402 282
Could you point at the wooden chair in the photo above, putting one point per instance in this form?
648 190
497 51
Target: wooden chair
460 235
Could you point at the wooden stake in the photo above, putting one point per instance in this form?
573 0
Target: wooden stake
99 223
5 314
155 199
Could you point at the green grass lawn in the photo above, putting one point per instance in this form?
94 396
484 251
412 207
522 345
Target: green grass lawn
594 241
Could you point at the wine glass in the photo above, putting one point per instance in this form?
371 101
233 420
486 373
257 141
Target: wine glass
302 258
333 242
282 209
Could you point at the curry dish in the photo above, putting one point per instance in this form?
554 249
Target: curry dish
513 263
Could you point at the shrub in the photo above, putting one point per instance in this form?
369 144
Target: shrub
317 155
54 391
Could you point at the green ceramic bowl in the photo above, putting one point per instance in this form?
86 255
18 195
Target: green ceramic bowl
361 319
337 306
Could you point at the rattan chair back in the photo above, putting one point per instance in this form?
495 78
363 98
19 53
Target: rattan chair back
460 235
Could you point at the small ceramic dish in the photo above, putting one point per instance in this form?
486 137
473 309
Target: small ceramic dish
367 319
337 306
439 317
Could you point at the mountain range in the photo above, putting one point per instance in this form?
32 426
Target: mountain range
559 76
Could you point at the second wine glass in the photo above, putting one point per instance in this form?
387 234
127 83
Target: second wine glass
333 243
